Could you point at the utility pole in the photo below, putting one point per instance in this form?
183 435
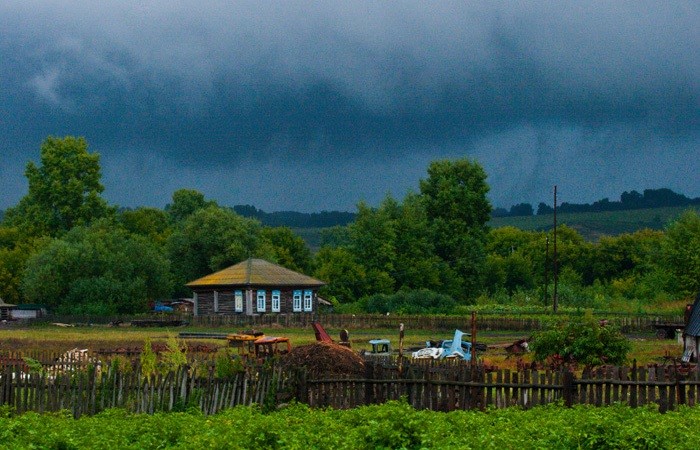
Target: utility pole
556 274
546 271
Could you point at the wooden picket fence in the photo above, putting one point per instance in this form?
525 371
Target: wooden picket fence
87 387
450 386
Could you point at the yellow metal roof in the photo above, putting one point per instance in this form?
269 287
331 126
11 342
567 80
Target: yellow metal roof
256 272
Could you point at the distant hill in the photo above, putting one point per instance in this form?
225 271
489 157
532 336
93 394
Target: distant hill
593 225
649 198
292 219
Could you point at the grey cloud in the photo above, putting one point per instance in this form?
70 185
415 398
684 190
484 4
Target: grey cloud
205 88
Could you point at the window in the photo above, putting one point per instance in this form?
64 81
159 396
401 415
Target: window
261 301
216 301
308 300
238 301
296 303
275 301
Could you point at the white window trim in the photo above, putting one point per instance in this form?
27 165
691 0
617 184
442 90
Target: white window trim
308 300
238 301
262 301
276 301
296 301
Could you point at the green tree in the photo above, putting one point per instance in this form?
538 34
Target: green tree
628 254
458 210
15 250
582 340
100 269
681 252
416 265
185 203
346 278
289 249
152 223
211 239
372 238
64 191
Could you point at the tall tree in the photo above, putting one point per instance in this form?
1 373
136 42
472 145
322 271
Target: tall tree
152 223
185 203
458 210
290 250
372 242
211 239
681 248
100 269
64 191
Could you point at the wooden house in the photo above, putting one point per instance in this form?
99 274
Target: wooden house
255 286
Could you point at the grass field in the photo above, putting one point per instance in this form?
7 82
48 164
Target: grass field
594 225
646 349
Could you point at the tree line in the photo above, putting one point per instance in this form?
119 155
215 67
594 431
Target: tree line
63 246
649 198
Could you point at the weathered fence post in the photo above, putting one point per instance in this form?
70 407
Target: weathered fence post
568 388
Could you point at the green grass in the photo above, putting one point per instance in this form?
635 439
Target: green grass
594 225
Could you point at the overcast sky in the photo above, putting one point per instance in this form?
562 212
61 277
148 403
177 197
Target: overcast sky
315 106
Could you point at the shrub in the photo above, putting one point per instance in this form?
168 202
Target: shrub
411 302
582 340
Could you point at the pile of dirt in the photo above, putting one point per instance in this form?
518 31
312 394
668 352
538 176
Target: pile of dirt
325 358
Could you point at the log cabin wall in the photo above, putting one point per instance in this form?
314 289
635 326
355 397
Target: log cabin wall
227 306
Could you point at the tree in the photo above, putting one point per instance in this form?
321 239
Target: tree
416 265
627 254
211 239
582 340
15 250
152 223
372 238
681 252
454 195
521 209
64 191
185 203
344 275
100 269
289 249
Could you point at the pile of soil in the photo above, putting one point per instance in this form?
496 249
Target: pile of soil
326 358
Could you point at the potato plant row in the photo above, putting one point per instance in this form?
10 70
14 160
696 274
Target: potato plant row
392 425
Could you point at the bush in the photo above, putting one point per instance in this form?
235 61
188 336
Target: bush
581 340
411 302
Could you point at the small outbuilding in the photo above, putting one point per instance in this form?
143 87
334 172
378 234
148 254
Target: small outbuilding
691 333
255 286
28 311
5 310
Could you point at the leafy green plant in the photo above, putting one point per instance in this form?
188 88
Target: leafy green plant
174 357
148 360
583 340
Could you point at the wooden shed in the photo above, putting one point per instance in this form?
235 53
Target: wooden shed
691 333
5 310
255 286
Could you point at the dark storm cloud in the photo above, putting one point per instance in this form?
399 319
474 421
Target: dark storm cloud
248 101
